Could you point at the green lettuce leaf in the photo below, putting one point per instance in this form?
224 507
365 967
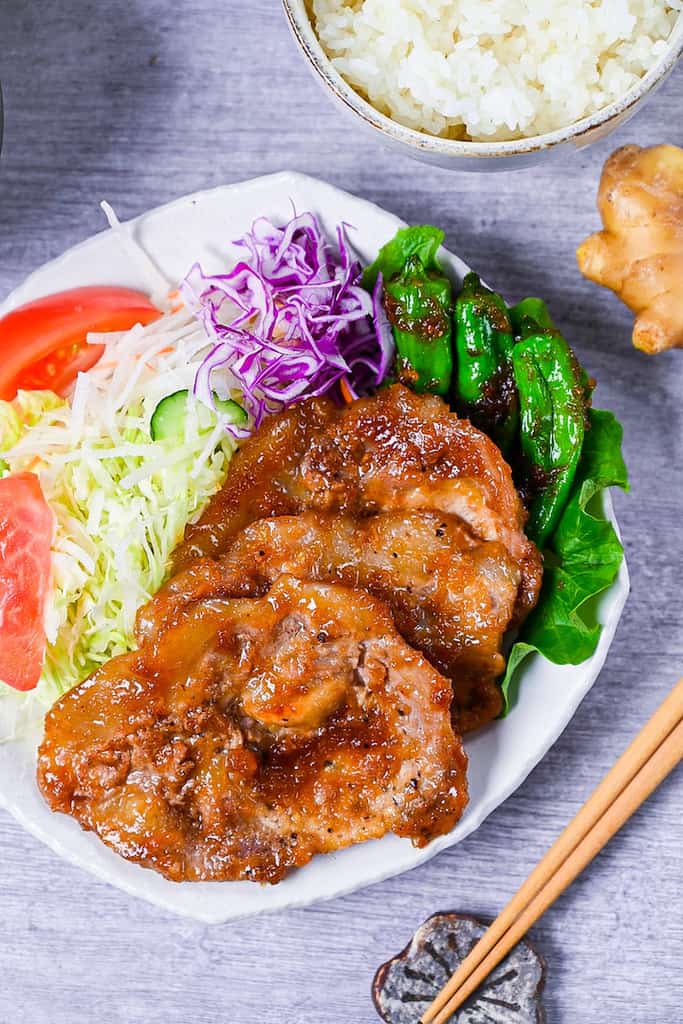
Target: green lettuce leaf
423 241
582 560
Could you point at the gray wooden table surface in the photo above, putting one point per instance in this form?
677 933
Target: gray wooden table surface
139 101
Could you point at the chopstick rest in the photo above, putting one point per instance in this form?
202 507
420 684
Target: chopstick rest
405 985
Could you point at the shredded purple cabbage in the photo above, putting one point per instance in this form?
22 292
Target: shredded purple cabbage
291 320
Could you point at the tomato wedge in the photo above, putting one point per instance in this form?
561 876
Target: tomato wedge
26 529
43 344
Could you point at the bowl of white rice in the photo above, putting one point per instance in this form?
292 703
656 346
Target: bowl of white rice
489 84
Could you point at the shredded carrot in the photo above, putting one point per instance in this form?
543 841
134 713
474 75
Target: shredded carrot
112 364
175 297
346 392
161 352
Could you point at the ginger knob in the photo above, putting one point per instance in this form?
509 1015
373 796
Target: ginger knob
639 254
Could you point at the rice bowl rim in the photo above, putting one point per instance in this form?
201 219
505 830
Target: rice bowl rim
302 29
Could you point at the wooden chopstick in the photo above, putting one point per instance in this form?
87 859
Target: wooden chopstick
650 757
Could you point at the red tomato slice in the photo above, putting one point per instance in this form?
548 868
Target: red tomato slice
26 529
43 344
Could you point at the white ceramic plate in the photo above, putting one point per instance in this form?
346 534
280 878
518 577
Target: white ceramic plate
501 756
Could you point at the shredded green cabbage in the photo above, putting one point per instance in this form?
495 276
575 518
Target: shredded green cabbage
121 500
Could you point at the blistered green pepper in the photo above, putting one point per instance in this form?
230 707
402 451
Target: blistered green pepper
533 309
419 304
552 399
484 387
536 311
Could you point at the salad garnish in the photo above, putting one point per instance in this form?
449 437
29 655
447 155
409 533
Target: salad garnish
121 500
291 320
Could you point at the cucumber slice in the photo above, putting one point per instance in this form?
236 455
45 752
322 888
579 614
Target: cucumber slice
232 411
169 416
168 419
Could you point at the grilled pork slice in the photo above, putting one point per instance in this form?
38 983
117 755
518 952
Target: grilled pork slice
394 451
451 594
250 734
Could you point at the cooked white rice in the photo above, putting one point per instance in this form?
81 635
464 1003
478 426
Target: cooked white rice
493 69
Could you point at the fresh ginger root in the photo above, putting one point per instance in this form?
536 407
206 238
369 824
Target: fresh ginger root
639 255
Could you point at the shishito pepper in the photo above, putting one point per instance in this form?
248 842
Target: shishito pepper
484 339
534 309
419 303
552 398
